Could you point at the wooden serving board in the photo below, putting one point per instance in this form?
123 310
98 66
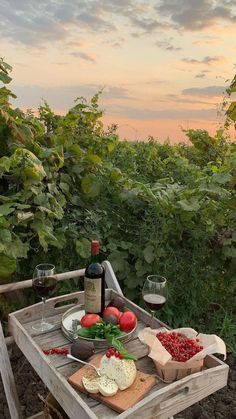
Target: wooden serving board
122 400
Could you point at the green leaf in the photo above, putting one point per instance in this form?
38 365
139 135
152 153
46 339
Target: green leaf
83 248
5 164
120 348
189 205
148 253
5 78
222 178
84 332
7 266
91 185
229 251
6 209
116 173
5 235
64 187
213 189
18 249
93 158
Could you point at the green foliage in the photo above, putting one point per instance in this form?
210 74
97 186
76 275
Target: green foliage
231 105
161 208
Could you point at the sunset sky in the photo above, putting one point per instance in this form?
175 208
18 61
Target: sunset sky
163 64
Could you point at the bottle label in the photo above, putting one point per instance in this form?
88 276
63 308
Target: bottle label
92 295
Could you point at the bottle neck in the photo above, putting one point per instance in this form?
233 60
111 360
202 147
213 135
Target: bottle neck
95 258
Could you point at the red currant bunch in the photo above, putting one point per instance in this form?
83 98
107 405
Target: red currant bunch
180 347
56 351
113 352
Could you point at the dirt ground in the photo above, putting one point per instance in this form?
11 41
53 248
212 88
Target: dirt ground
220 405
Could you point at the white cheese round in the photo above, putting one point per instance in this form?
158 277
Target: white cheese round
123 371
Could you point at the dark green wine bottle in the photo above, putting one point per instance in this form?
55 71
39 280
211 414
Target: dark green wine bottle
94 283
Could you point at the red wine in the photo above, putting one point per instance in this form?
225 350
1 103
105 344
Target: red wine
154 301
94 283
44 286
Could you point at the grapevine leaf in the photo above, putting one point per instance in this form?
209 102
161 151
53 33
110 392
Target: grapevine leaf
93 158
189 205
7 266
83 248
148 253
6 209
91 185
5 78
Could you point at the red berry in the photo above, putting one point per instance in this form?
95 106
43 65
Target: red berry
180 347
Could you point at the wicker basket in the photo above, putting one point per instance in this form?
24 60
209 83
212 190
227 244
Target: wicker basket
174 370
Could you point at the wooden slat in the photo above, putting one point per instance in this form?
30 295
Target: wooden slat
28 283
39 415
9 340
110 278
8 379
34 312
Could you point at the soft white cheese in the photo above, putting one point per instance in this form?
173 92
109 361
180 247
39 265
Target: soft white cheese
90 383
123 371
107 386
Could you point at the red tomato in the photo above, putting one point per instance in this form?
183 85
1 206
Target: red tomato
112 310
89 320
127 321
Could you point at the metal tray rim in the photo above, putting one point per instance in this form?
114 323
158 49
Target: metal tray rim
99 342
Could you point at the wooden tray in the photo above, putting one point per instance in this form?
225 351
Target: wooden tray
122 400
161 402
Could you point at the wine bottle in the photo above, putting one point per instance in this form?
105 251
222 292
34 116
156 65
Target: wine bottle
94 283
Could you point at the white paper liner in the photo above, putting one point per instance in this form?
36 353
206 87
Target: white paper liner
212 344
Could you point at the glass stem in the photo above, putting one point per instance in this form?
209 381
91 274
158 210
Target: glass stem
43 310
152 318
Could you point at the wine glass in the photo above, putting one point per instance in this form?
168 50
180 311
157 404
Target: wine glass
44 283
154 293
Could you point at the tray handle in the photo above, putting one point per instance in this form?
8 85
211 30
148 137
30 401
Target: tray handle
69 299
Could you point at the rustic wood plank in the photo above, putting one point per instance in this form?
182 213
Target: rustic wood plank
179 395
66 396
9 340
39 415
28 283
52 338
104 412
110 278
34 312
8 379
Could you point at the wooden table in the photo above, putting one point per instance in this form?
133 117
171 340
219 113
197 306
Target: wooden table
163 401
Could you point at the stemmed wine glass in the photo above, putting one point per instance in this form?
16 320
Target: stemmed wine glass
154 293
44 283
